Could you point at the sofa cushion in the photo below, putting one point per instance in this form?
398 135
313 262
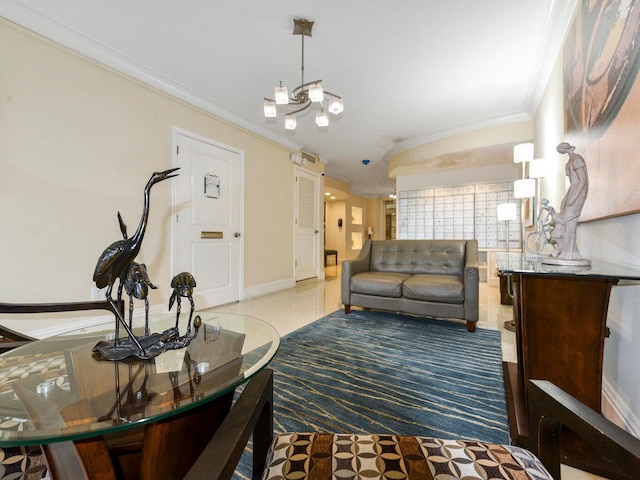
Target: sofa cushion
382 284
446 257
434 288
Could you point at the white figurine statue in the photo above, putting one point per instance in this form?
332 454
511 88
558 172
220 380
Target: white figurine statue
566 221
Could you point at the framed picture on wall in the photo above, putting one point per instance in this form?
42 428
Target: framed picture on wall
602 103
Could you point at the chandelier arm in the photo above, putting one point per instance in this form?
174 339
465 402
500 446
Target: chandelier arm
327 92
306 105
298 100
303 86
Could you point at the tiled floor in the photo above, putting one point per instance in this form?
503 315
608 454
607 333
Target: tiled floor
313 299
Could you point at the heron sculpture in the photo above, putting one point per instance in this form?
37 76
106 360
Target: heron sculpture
183 285
115 261
137 285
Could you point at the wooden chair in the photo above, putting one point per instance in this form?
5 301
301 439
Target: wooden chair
551 409
10 339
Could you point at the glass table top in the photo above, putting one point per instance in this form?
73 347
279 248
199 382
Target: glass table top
532 264
57 389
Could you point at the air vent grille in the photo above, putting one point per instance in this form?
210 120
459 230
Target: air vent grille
309 157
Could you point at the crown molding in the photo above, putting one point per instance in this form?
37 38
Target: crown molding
557 25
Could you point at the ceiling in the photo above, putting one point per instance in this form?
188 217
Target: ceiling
409 72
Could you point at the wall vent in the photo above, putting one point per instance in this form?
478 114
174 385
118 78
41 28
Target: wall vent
309 157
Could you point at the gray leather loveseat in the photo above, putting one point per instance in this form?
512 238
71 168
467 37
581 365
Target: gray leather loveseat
434 278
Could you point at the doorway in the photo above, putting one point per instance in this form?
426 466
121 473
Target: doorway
208 217
307 227
390 220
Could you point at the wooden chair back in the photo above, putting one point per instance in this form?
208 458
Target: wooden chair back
10 339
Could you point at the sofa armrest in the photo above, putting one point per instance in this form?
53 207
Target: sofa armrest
550 408
471 282
350 267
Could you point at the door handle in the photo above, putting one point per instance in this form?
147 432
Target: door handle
317 231
237 234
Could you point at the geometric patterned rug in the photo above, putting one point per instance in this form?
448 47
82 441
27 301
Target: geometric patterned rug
371 372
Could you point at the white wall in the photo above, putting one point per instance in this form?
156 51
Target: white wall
78 143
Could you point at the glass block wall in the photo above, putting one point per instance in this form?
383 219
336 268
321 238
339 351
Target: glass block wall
459 212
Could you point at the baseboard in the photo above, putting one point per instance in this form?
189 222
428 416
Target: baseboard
268 288
61 325
616 410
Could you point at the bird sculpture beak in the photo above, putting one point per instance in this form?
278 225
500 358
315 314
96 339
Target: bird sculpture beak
167 173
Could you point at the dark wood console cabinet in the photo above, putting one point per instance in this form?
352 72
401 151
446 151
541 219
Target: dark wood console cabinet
560 318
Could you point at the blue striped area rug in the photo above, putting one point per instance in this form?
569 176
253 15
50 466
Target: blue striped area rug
375 372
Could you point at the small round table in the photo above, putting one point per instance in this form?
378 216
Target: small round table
132 418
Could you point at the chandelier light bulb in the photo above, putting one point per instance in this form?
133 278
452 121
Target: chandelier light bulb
316 92
290 122
282 95
322 119
336 106
270 108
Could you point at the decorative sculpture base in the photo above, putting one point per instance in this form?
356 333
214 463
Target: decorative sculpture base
578 263
152 345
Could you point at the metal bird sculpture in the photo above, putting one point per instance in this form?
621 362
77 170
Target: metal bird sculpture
183 285
137 285
123 226
115 261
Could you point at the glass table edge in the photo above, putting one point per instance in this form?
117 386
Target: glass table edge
597 269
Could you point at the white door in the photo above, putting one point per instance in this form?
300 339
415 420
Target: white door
208 216
306 223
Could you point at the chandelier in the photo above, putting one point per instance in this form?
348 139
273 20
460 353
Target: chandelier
305 94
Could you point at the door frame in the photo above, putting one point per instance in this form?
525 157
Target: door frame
175 131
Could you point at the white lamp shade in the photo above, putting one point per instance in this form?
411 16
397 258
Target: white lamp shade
539 168
290 122
523 153
322 119
316 92
281 95
507 212
270 109
525 188
336 106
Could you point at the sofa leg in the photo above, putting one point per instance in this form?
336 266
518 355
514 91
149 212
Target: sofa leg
471 327
347 309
